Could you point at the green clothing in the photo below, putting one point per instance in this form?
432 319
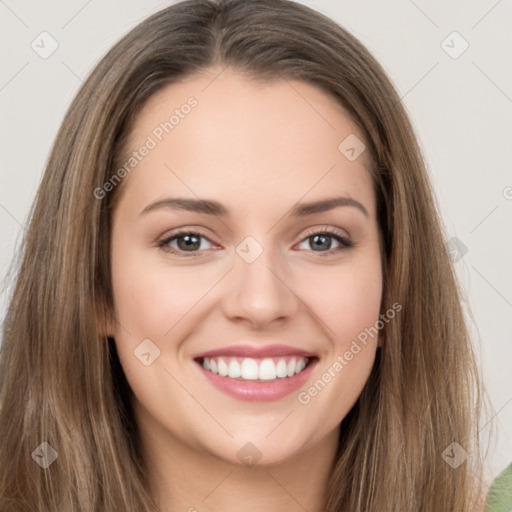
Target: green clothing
500 494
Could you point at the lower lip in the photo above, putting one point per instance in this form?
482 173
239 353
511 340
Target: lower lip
259 391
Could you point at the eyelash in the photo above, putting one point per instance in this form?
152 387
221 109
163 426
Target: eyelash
344 242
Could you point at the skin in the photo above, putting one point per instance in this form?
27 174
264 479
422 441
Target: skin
258 148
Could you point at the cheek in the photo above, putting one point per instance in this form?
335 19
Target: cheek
150 297
349 309
347 299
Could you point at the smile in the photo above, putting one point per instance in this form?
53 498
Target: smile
247 368
256 379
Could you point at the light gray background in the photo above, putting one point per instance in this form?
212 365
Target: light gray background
461 108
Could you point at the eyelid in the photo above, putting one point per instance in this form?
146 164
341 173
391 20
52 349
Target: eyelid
331 231
325 229
168 237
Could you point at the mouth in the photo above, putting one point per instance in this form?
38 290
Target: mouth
256 373
253 369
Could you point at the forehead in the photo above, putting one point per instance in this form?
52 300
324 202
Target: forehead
223 131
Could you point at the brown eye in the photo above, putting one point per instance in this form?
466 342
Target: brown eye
183 242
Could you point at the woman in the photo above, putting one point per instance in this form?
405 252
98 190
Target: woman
179 339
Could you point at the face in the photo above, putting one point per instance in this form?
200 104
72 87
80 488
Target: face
240 294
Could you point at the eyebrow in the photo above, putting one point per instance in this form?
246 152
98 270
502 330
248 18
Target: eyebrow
211 207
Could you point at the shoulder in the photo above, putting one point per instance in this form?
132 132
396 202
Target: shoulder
499 496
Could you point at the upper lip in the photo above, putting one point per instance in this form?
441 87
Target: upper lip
256 352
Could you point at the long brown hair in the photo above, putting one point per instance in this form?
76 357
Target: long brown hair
60 379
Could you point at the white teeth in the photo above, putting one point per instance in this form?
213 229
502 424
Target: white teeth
267 369
249 369
281 369
234 369
223 368
291 367
300 366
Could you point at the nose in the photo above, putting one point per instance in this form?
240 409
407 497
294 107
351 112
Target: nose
260 292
